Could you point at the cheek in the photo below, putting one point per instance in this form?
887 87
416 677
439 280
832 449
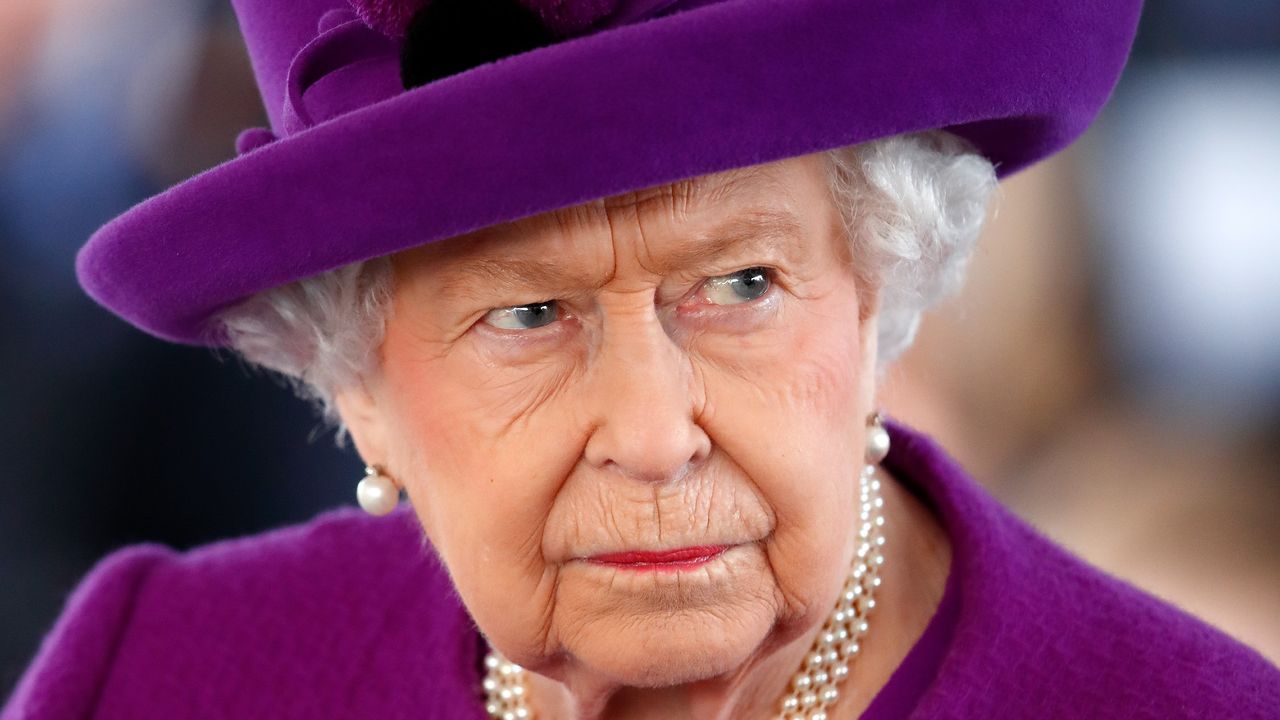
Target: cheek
482 456
474 437
793 429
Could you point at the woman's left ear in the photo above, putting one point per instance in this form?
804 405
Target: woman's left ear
868 341
364 422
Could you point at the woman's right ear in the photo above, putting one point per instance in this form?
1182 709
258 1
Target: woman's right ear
364 420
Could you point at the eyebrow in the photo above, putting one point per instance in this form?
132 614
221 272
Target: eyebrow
759 230
509 273
766 231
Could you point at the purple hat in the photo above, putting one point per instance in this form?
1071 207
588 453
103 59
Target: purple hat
516 107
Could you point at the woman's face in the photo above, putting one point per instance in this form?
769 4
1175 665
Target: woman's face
685 367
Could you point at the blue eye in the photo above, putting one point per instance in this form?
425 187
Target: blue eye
738 287
523 317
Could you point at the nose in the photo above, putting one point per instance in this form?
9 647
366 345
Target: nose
645 404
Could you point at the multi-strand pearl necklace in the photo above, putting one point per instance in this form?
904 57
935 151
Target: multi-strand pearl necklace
813 687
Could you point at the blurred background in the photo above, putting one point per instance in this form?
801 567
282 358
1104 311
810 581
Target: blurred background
1112 371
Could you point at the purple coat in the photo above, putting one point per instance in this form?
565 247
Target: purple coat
349 616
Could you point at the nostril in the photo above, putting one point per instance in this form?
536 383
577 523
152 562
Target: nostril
671 475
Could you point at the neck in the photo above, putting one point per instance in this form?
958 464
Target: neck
918 556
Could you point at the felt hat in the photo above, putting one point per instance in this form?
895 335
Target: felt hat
400 122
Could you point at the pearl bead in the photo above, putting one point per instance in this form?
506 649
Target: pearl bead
790 703
877 443
802 681
377 495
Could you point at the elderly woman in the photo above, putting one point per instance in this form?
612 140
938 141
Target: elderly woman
605 289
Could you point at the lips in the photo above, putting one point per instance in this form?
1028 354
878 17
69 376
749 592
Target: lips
680 558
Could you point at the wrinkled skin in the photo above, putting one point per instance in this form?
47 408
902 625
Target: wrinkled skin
662 404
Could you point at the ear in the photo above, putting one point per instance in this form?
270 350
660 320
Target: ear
365 422
870 371
868 315
870 374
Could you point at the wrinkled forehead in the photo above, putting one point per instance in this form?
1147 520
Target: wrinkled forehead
770 195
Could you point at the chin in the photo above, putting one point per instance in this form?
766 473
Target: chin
674 648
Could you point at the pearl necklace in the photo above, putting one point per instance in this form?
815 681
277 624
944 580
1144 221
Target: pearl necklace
813 687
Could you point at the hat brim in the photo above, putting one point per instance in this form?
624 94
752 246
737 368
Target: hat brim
723 86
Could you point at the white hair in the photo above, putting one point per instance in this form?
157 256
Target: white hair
912 207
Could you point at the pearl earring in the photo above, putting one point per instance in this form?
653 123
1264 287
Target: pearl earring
377 494
877 440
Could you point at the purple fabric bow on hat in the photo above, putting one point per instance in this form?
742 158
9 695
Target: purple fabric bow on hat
354 61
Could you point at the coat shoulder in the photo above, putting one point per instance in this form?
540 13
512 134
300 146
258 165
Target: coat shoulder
270 625
1157 658
75 658
1043 634
1068 640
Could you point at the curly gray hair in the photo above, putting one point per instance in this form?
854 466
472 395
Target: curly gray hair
912 207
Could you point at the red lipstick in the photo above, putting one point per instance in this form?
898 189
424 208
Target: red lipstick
678 559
